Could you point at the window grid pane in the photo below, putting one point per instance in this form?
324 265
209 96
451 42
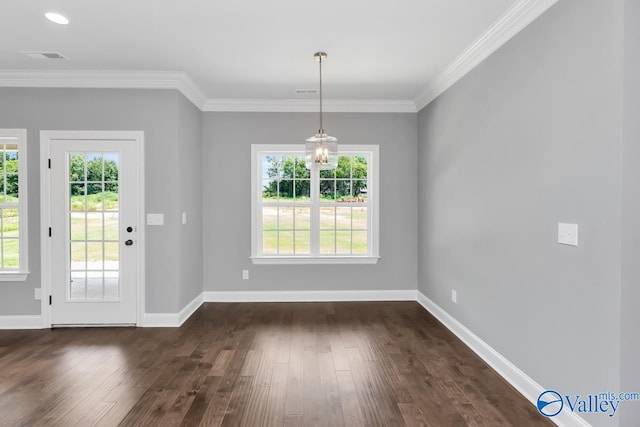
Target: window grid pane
9 211
341 207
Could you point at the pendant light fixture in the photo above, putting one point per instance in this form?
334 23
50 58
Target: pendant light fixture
321 149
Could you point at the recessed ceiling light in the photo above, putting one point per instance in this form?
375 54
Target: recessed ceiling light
57 18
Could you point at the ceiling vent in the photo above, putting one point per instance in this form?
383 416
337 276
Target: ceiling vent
44 55
306 91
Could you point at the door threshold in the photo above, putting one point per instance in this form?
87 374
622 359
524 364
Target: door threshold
94 325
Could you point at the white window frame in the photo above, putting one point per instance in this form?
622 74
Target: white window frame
372 257
21 273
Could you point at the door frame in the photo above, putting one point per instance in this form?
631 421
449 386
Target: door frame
46 138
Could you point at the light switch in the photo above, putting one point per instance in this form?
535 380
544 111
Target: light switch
184 217
568 234
155 219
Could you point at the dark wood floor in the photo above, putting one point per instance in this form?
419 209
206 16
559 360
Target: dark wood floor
255 364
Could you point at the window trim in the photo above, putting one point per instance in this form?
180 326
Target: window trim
21 274
257 150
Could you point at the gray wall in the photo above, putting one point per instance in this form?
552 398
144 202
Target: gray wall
630 319
227 214
155 112
190 197
530 138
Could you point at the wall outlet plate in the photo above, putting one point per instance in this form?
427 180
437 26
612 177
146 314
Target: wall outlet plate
155 219
568 234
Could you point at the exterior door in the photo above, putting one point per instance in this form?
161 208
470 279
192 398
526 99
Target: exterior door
93 256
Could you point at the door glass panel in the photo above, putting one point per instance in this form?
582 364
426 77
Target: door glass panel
94 224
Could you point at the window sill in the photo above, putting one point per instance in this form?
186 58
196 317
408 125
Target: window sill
13 277
316 260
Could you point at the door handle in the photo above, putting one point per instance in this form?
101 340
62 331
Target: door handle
129 242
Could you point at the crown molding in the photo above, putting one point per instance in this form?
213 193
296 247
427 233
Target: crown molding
105 80
508 25
183 83
311 105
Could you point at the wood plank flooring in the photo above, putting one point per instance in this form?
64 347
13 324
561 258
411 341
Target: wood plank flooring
258 364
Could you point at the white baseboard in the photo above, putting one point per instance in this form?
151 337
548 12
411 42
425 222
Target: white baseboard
172 320
309 296
21 322
190 308
507 370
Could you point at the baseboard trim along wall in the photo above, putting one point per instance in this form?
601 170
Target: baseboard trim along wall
21 322
172 320
310 296
507 370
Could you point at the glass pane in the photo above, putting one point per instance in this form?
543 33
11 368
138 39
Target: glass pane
111 284
94 226
111 255
78 256
269 218
11 253
359 219
359 190
327 190
343 218
76 167
269 189
303 242
302 190
288 167
78 224
111 202
344 167
10 223
94 167
343 190
286 189
111 226
11 188
285 218
359 167
285 242
327 218
303 218
77 192
78 285
1 187
327 242
359 240
272 167
11 156
343 242
94 285
94 197
328 174
111 167
301 171
94 256
269 242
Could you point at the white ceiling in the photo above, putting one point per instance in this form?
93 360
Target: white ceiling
252 49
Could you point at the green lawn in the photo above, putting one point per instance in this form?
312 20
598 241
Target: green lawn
342 230
98 221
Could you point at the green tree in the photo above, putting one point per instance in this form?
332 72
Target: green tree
94 175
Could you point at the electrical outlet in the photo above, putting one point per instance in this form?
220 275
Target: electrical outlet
184 218
245 274
454 296
37 293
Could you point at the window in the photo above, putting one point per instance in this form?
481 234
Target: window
314 216
13 205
